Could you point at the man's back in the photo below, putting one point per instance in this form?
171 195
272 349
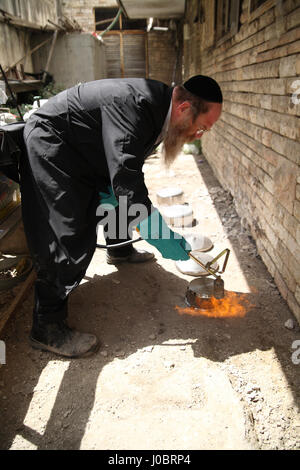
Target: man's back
95 117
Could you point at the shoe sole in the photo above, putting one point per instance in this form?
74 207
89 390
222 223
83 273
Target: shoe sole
118 261
204 250
127 260
44 347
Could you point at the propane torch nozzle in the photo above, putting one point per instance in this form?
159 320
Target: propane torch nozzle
219 288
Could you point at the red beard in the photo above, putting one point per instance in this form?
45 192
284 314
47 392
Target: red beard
174 140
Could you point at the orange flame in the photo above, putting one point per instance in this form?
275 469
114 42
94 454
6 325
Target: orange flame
232 305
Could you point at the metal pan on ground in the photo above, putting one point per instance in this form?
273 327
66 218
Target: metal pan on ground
199 293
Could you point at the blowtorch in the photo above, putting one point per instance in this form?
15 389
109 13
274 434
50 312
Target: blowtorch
201 290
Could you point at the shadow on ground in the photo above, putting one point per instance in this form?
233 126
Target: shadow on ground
271 310
124 309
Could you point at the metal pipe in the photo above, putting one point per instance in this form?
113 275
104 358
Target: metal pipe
104 21
112 24
160 28
28 53
54 37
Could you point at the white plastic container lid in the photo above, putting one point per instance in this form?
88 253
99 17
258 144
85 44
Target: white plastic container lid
168 192
179 215
169 196
199 242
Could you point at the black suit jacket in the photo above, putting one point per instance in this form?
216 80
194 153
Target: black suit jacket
107 128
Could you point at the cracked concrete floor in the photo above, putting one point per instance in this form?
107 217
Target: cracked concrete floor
161 380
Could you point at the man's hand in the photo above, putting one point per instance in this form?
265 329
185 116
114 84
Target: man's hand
156 232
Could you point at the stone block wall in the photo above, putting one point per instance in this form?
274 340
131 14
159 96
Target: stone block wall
254 148
164 61
83 11
77 57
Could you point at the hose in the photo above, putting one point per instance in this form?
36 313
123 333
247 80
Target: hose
112 24
119 245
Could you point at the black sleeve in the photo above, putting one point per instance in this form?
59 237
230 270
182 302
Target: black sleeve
128 130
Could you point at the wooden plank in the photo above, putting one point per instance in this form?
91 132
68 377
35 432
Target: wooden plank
134 55
122 55
260 10
50 55
10 221
21 23
108 20
147 55
25 286
28 53
112 44
126 54
24 85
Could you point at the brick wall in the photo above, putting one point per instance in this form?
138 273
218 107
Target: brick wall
254 148
164 60
83 11
78 57
162 46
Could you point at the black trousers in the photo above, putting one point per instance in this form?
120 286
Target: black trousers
119 235
59 205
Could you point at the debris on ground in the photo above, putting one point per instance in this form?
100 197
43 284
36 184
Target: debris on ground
161 380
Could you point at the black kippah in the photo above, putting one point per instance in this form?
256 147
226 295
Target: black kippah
204 87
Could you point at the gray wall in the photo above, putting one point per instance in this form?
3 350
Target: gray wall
77 57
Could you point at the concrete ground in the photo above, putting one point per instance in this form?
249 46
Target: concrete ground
162 379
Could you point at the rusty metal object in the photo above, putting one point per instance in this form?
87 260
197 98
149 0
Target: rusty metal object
219 291
201 290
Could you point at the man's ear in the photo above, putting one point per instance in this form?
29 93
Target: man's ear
180 110
183 107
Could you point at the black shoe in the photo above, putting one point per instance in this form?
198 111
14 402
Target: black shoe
60 339
136 256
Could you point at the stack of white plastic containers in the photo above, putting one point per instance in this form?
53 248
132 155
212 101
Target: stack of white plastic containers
176 213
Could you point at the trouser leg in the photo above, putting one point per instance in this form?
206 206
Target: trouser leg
60 259
121 232
120 235
48 306
56 277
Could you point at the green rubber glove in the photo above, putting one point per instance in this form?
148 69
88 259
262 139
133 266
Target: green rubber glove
108 198
156 232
